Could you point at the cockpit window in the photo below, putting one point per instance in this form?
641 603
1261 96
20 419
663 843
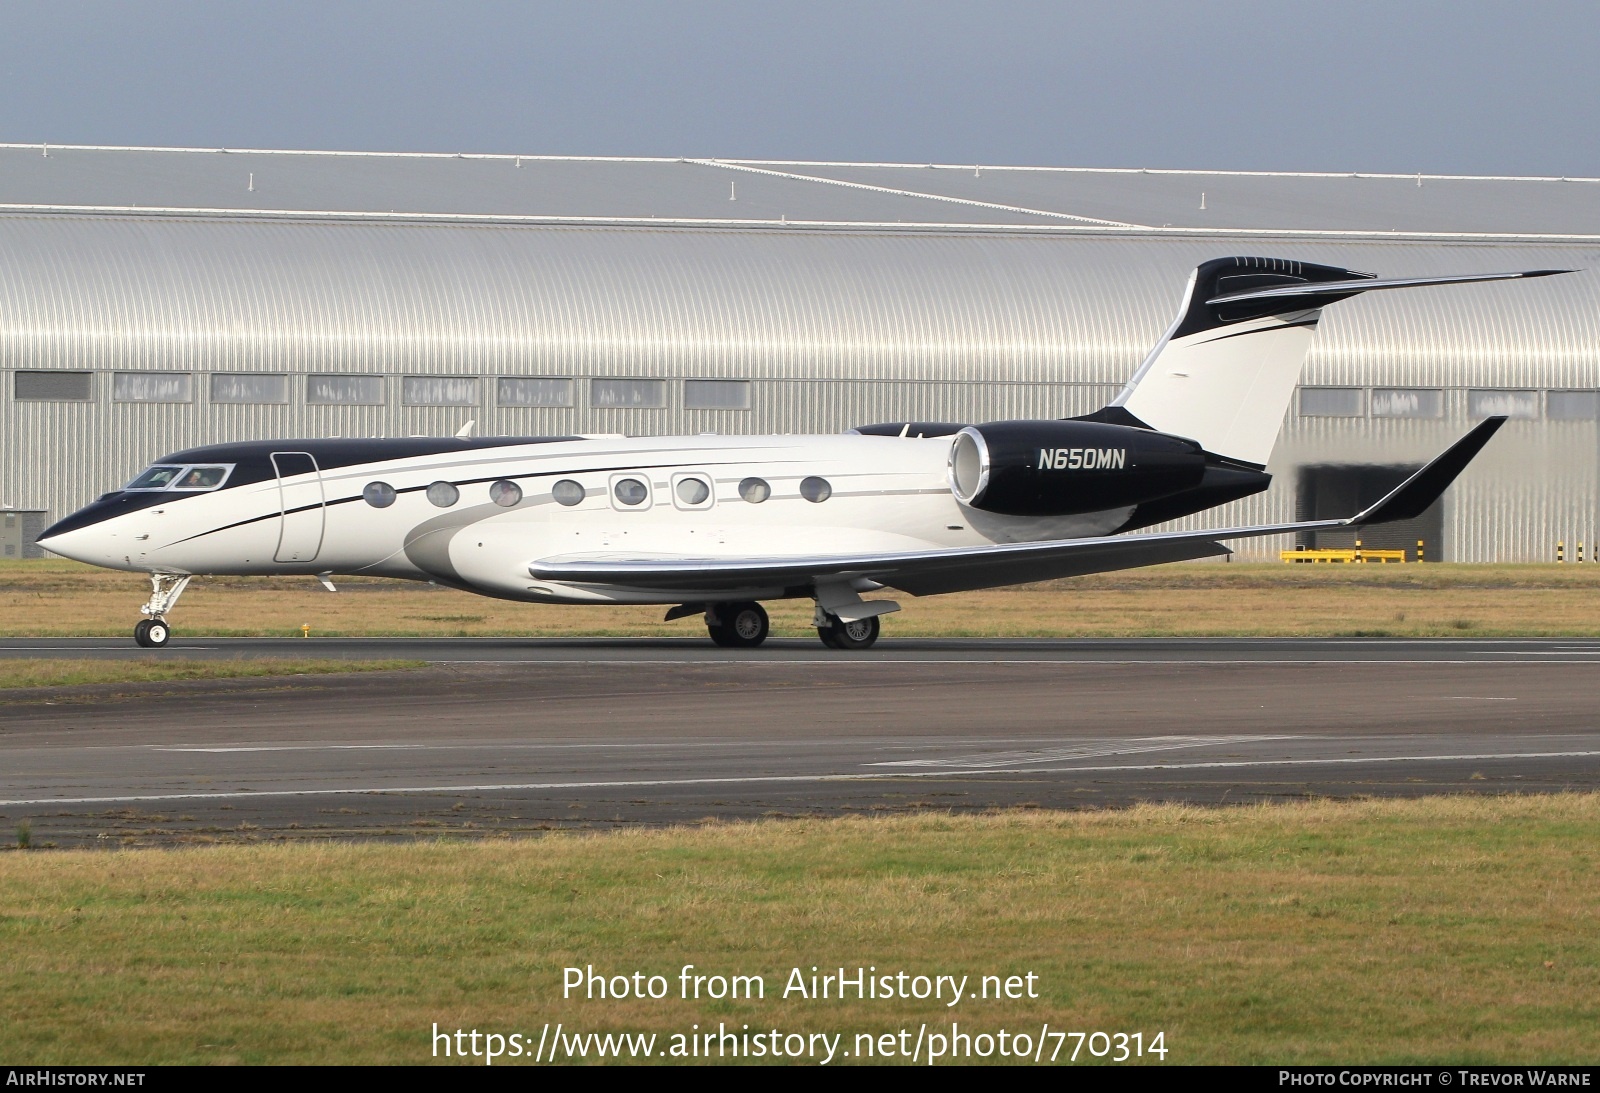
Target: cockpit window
201 478
164 476
155 478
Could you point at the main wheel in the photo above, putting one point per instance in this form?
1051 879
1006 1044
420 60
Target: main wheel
850 635
740 625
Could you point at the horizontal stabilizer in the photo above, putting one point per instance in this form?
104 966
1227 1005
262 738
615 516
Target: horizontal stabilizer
1367 284
1412 497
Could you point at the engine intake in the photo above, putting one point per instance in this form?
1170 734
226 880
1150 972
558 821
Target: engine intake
1061 468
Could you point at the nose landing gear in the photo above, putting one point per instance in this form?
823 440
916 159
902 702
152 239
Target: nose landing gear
165 588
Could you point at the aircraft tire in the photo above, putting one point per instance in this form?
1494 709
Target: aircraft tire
861 634
157 633
825 635
745 625
141 633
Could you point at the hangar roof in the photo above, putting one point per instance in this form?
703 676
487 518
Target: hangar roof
759 192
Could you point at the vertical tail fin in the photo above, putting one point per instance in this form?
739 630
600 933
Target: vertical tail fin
1224 373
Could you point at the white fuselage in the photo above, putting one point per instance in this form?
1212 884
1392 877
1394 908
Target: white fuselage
883 495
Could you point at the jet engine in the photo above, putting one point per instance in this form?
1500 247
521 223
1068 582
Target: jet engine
1061 468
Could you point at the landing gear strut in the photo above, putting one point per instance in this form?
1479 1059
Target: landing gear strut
165 588
737 625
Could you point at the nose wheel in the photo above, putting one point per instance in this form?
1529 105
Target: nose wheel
165 588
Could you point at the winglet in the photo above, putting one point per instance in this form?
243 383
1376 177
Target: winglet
1408 500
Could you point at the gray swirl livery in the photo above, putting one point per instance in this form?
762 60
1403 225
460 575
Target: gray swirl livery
712 525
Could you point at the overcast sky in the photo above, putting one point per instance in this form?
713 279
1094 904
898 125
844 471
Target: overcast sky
1450 86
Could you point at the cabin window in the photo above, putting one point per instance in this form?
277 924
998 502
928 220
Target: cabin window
380 495
630 492
1520 404
716 394
692 491
345 390
439 390
644 394
755 490
815 489
158 477
443 494
1407 402
505 493
53 386
567 492
535 391
152 387
261 388
202 478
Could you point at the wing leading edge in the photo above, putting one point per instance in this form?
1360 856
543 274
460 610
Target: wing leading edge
960 569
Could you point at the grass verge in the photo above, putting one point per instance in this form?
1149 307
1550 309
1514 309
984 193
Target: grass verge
1442 929
60 598
67 672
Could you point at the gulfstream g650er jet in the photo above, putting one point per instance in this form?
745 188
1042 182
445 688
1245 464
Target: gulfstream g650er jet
712 525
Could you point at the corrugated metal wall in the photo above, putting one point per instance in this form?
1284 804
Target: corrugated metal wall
832 327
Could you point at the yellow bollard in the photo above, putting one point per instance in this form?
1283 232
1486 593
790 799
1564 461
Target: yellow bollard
305 629
1419 550
1561 551
1358 550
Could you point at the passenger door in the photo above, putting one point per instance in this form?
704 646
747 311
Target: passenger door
301 503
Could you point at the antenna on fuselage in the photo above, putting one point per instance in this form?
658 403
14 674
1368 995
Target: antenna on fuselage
466 430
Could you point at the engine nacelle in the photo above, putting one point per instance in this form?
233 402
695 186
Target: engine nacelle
1061 468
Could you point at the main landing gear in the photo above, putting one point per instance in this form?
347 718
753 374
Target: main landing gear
737 625
744 625
165 588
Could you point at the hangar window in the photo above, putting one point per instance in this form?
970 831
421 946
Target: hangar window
152 387
1332 401
1407 402
815 489
650 394
567 492
380 495
345 390
716 394
534 391
250 387
1522 404
443 494
1573 405
439 390
505 493
755 490
53 386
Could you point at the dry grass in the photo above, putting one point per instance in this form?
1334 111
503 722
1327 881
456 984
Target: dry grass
55 598
1445 929
62 672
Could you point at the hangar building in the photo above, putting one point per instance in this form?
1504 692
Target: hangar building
154 299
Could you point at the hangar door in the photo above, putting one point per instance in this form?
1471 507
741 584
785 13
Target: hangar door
1333 492
300 501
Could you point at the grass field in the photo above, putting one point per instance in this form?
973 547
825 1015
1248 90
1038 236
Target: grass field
1445 929
65 672
55 598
